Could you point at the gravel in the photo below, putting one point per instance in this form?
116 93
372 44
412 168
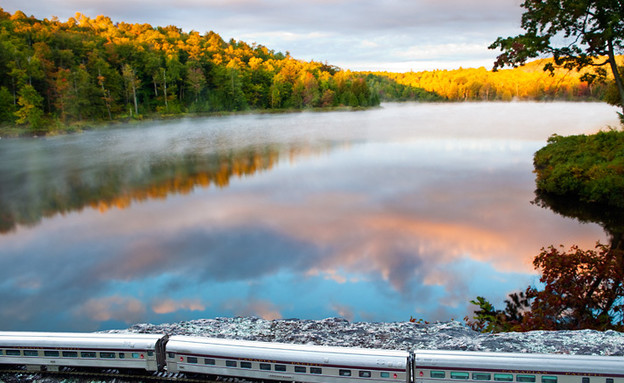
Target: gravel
407 336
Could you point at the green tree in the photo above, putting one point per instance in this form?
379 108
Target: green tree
7 108
30 112
577 33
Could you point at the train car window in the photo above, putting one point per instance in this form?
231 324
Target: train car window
585 379
191 359
210 361
0 352
528 378
122 355
481 376
385 375
150 353
51 353
135 355
107 355
265 366
230 363
364 374
171 355
316 370
282 367
460 375
31 353
13 352
70 354
87 354
609 380
437 374
344 372
245 364
503 377
551 379
300 369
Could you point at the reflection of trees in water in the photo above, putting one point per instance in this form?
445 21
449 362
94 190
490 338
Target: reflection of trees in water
583 288
118 185
611 218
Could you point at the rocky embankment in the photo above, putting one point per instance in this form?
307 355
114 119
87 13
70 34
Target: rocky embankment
397 335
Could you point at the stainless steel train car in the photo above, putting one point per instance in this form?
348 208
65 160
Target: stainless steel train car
298 363
286 362
495 367
51 350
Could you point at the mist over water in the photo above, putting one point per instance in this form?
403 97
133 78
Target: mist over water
377 215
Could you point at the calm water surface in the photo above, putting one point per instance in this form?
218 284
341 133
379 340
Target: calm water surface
407 210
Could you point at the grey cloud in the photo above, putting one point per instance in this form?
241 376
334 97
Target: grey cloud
323 30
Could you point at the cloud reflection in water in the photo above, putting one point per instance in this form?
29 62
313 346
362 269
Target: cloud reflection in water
366 227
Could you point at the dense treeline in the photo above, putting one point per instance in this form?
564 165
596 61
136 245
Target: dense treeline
529 82
386 89
54 73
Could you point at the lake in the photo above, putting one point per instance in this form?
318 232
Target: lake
377 215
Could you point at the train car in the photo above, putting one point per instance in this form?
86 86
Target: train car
49 351
495 367
285 362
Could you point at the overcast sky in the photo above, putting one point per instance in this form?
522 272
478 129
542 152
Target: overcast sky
393 35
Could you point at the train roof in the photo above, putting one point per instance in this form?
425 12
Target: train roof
284 346
285 352
124 341
525 362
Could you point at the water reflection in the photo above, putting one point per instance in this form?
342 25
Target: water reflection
609 217
376 215
56 184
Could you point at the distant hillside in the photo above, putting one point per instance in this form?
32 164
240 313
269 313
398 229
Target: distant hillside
528 82
54 74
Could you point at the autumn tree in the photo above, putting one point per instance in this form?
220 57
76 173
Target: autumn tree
196 81
583 289
576 33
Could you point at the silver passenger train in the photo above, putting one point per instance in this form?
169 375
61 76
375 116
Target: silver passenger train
297 363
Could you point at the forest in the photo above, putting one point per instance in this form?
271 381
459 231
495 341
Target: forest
62 76
57 73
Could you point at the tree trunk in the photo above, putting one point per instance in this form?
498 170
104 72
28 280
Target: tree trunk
617 77
136 105
165 89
